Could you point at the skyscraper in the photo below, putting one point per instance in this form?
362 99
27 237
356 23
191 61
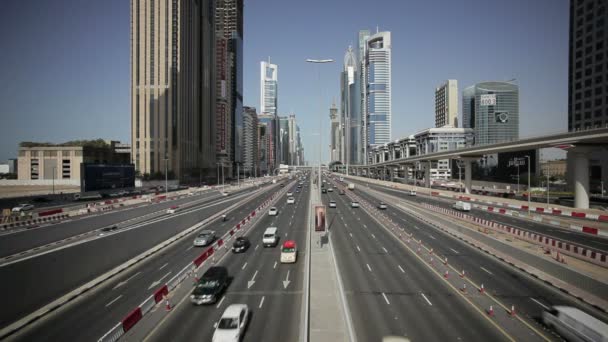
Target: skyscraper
335 141
361 152
173 88
269 88
377 85
492 110
588 69
292 125
229 66
446 104
270 133
351 119
250 142
284 139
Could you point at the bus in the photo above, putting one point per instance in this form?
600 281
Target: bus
289 252
575 325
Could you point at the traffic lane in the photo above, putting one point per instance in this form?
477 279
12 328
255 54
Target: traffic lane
111 302
582 239
401 287
529 295
257 264
65 269
28 239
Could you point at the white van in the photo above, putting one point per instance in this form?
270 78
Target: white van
270 237
575 325
462 206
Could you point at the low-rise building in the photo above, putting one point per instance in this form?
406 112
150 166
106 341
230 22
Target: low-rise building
447 138
44 161
555 168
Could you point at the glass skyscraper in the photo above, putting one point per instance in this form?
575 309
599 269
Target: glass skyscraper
377 75
492 110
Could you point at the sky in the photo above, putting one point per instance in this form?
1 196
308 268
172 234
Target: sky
64 65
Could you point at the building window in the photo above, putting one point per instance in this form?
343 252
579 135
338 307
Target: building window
34 168
65 168
78 153
50 153
65 153
21 153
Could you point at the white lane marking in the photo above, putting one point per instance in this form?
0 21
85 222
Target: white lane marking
401 268
189 248
359 249
163 266
110 303
374 236
275 265
385 251
416 227
369 268
286 232
539 303
364 225
386 299
125 281
490 273
220 303
453 250
261 302
351 234
432 237
244 265
256 247
159 280
427 300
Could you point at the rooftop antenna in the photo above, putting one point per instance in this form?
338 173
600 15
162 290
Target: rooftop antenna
377 28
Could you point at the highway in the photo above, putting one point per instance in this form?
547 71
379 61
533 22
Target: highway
37 281
258 281
13 243
590 241
508 284
391 293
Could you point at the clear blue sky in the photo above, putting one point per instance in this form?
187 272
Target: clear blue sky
64 64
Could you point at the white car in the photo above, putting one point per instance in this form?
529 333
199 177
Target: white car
330 190
273 211
232 324
204 238
291 200
382 206
23 207
332 204
354 204
289 194
172 210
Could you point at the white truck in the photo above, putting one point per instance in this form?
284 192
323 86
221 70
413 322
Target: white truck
462 206
351 186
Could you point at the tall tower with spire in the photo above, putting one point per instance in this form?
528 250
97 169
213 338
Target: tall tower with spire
335 146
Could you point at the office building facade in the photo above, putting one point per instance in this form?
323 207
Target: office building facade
293 139
446 104
377 86
352 127
250 142
491 109
434 140
173 87
335 134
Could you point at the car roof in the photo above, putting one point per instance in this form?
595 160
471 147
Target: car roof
215 271
270 229
289 244
206 232
234 310
242 238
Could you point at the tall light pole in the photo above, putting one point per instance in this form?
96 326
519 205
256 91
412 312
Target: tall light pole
547 188
529 191
320 61
166 176
54 171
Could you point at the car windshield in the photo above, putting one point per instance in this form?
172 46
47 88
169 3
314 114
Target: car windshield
228 323
268 235
208 284
239 242
204 235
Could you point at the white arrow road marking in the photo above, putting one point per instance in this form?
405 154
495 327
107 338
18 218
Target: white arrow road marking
252 281
275 265
117 298
256 247
125 281
261 302
369 268
385 251
453 250
351 234
286 281
158 281
374 236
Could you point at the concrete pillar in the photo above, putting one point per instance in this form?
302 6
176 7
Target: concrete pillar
406 176
427 174
467 175
580 159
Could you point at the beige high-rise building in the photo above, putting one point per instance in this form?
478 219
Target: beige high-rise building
446 104
173 88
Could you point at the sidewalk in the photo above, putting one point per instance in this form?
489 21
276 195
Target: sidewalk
328 320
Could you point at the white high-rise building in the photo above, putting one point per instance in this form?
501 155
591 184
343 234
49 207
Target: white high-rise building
268 88
446 104
377 85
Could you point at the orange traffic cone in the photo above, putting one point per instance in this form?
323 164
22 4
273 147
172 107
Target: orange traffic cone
446 275
167 304
491 311
512 312
482 290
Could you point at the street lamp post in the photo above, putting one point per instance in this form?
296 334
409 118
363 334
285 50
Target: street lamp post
320 61
166 177
529 191
547 188
54 171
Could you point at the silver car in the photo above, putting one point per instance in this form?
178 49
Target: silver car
204 238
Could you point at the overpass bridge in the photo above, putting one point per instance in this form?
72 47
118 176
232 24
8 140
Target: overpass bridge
580 145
